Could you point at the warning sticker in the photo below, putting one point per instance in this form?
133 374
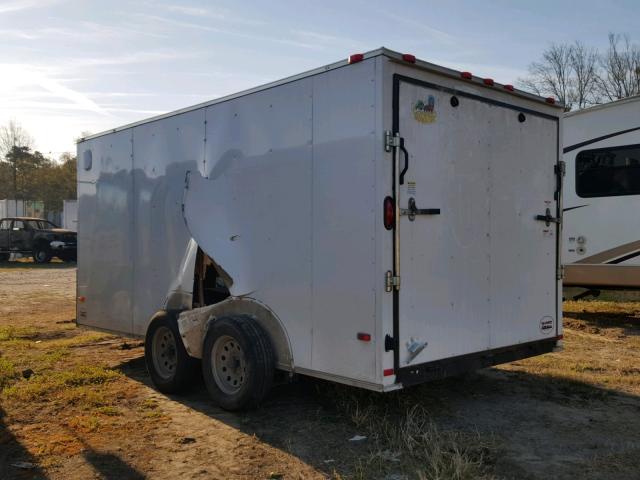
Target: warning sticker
546 325
411 188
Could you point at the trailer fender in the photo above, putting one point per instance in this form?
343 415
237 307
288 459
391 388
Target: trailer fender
194 324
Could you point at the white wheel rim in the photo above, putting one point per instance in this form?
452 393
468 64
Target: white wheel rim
165 353
228 364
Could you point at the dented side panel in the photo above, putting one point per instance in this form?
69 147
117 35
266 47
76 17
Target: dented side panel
288 211
252 215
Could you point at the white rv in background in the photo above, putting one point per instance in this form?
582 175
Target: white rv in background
381 222
601 232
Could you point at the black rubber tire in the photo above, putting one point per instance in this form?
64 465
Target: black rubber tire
42 254
259 358
186 368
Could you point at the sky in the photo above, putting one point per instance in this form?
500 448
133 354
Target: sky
68 67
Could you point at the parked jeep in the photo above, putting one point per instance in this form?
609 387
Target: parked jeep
36 237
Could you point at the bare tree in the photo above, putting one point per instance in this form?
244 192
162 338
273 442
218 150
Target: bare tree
13 135
552 75
584 69
620 77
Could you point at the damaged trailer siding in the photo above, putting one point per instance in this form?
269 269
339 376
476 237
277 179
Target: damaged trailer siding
262 199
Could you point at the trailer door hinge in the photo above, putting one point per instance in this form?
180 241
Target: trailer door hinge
391 282
389 343
560 274
560 168
391 141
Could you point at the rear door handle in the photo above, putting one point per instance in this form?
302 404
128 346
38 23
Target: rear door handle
547 218
406 161
413 210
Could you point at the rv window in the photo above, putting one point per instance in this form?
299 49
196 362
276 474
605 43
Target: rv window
608 172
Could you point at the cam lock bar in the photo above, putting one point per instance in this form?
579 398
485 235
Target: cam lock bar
547 218
413 210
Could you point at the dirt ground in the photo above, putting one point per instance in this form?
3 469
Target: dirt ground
76 404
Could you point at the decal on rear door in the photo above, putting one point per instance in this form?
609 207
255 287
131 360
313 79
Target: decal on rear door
424 111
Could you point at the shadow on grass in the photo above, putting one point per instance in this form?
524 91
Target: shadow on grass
108 465
13 454
628 322
313 420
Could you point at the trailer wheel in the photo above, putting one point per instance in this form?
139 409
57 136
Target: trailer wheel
41 253
237 362
170 367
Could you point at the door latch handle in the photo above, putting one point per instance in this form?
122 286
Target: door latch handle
413 210
547 218
406 161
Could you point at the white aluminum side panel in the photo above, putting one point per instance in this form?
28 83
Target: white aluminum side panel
344 211
105 233
162 154
482 274
604 222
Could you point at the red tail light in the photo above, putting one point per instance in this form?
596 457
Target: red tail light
389 213
387 372
407 57
466 75
356 57
488 82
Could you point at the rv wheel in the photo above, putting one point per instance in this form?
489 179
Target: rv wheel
170 366
237 362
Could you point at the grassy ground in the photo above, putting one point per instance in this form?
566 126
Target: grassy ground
78 404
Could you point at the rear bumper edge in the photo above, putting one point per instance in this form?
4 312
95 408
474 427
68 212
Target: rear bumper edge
448 367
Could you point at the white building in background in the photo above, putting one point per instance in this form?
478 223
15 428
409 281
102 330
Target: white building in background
70 215
21 208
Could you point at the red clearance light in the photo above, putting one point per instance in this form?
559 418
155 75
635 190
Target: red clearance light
508 87
559 337
550 100
387 372
356 57
407 57
488 82
365 337
466 75
389 213
81 299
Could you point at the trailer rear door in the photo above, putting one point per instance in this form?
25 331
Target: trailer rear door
477 270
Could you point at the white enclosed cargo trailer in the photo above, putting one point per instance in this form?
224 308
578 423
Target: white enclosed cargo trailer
379 222
602 232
